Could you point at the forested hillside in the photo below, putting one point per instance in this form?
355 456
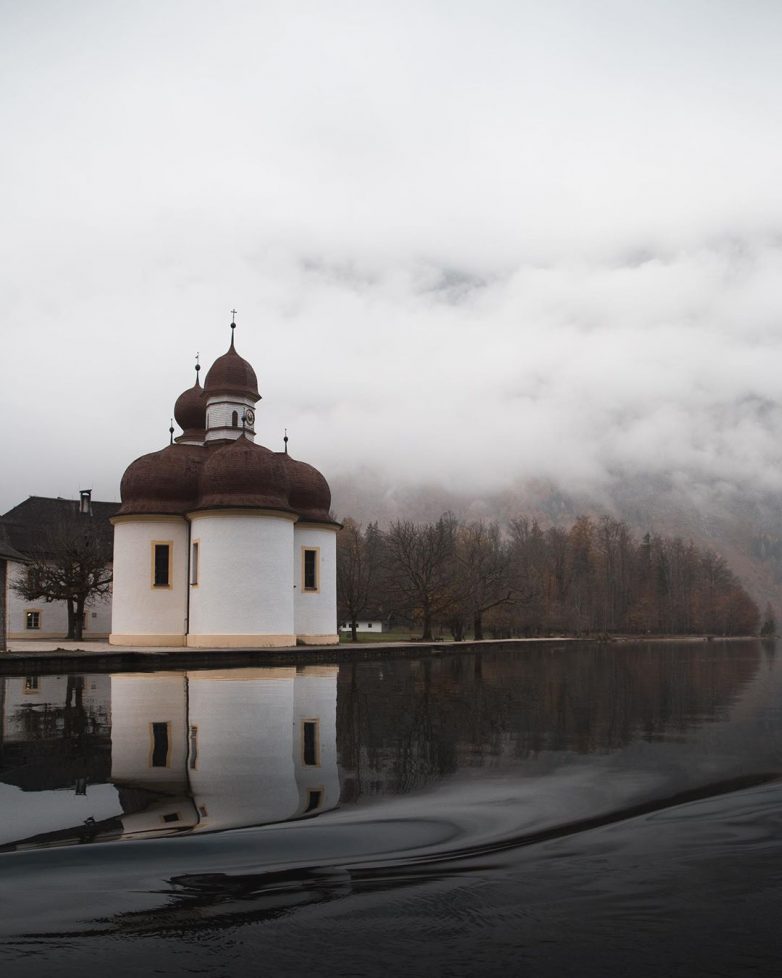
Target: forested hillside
741 524
484 579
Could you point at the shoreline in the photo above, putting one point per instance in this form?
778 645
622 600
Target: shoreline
101 657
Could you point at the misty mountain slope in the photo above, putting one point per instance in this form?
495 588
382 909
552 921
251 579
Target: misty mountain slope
743 526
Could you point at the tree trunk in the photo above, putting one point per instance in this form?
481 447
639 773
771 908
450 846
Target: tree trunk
477 626
78 619
354 631
427 630
71 620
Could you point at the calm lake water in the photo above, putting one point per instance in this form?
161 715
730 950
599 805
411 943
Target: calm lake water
570 809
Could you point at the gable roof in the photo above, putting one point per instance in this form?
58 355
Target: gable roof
7 550
27 526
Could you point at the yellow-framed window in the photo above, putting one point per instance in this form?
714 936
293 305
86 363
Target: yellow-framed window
160 744
162 557
310 569
310 742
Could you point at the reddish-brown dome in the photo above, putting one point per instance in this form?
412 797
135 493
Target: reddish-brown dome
163 482
310 495
190 409
243 474
230 374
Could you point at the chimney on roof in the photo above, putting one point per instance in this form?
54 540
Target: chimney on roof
85 501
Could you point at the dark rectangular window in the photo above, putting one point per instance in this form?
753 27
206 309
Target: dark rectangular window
159 745
310 570
310 745
31 684
313 801
32 619
162 552
171 817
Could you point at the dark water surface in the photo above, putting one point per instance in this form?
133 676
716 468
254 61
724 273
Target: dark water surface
563 810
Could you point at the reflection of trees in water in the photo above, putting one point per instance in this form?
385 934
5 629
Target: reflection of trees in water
57 744
403 722
71 720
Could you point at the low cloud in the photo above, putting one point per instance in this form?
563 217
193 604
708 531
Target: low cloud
536 243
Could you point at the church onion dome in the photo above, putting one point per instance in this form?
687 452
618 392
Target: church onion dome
230 374
163 482
190 410
242 474
310 495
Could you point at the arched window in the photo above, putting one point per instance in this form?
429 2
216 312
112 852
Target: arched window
235 420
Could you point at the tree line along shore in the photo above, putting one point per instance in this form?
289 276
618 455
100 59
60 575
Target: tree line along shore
474 579
482 580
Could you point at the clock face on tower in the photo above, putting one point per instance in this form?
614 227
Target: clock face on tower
249 417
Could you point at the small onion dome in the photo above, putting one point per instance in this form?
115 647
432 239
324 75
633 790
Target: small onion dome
190 410
310 495
162 482
230 374
242 474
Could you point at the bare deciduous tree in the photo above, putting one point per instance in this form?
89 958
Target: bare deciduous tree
482 571
421 567
72 563
358 565
594 578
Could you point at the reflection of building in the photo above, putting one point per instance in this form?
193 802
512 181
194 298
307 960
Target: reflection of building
221 750
196 751
55 754
221 542
42 708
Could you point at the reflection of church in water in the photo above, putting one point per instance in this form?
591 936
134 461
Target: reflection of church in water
96 757
220 750
189 752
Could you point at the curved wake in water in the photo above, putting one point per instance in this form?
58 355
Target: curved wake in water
212 898
588 813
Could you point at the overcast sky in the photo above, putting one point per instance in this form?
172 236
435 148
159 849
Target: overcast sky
468 242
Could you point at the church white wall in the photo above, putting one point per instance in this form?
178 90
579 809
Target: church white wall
137 702
166 815
143 614
244 595
236 746
315 700
53 615
316 611
243 772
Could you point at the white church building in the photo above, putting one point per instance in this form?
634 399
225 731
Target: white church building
220 542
